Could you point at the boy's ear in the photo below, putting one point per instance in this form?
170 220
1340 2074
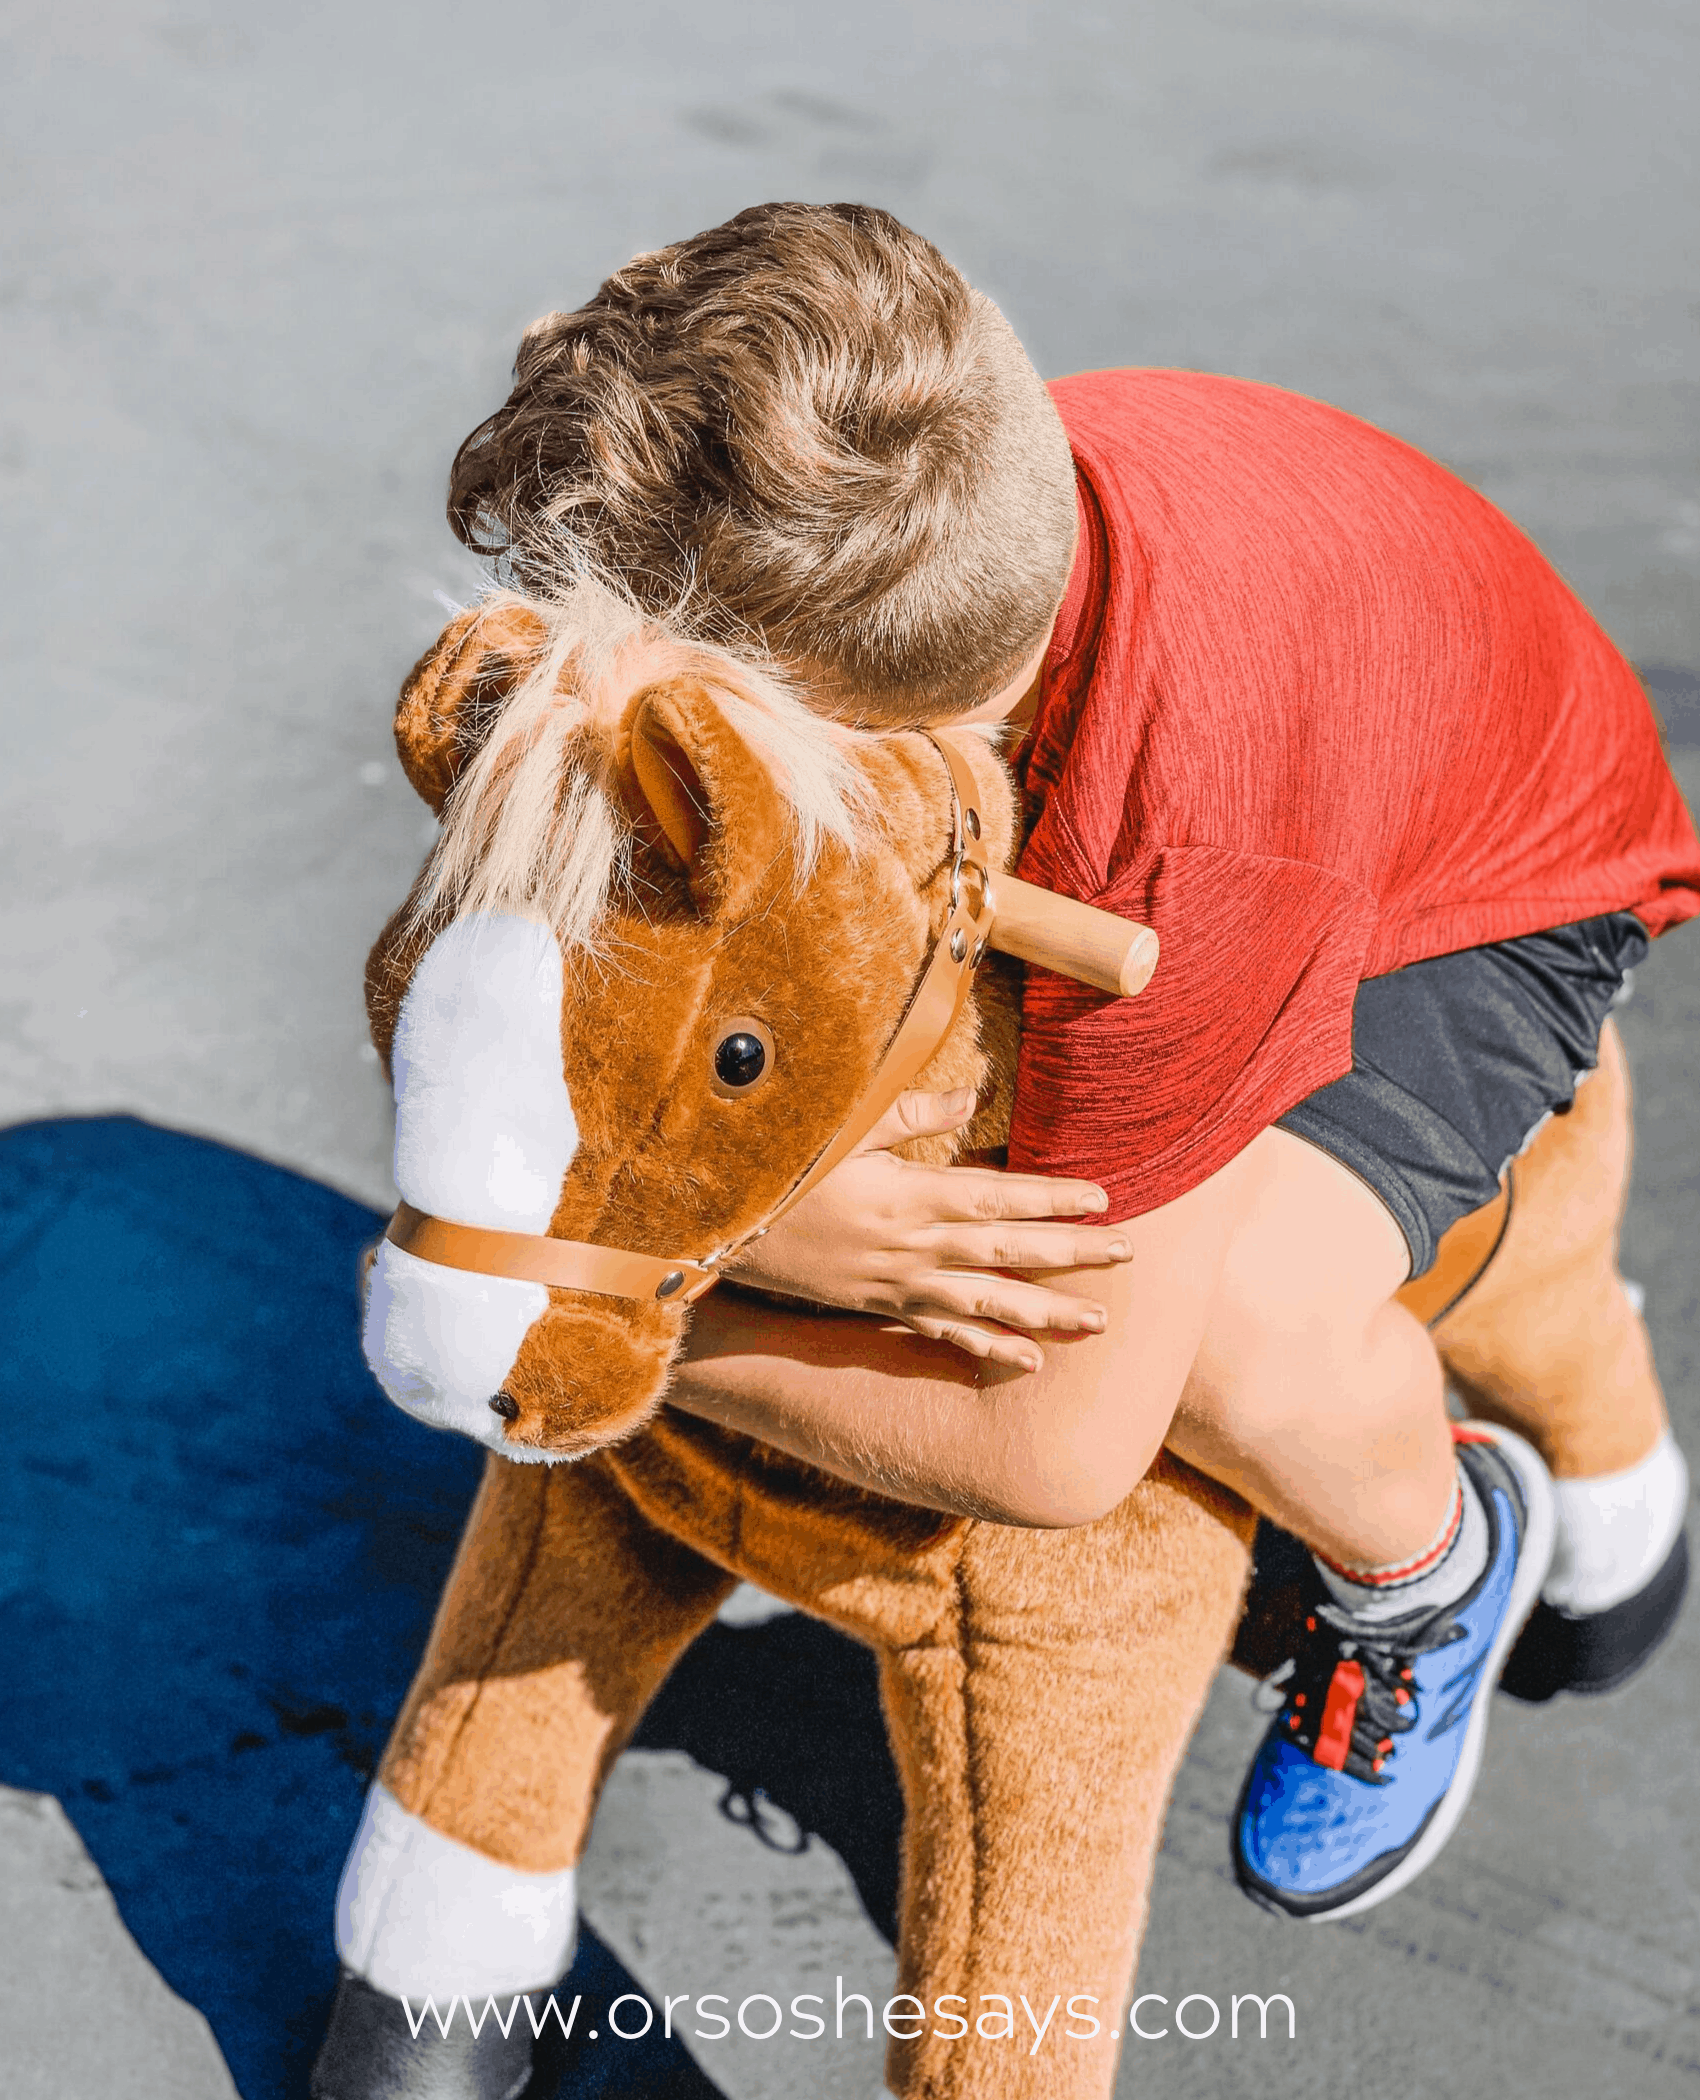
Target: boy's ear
709 802
454 691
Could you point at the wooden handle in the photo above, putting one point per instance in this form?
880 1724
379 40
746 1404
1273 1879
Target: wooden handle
1077 940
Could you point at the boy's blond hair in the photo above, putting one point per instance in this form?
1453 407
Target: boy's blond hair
803 437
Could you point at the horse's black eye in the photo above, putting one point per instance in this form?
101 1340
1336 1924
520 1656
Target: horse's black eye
743 1055
740 1060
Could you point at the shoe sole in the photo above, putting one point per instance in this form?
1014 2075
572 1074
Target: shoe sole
1540 1532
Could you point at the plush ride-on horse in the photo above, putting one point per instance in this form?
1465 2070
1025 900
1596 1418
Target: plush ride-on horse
610 1075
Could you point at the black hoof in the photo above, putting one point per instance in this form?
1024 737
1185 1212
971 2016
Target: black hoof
371 2052
1558 1653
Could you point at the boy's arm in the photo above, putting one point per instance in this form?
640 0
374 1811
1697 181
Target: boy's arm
935 1247
919 1420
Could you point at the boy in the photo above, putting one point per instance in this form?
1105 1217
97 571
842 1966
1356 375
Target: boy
1301 701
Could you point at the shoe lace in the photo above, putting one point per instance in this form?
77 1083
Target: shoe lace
1351 1693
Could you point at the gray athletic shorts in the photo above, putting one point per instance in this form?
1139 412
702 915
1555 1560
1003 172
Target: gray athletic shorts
1456 1062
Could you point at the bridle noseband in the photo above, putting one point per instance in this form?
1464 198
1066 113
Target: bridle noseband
935 1003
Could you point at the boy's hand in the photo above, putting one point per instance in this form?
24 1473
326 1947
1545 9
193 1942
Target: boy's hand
923 1244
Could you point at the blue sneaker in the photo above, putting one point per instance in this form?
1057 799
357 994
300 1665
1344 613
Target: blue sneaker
1369 1764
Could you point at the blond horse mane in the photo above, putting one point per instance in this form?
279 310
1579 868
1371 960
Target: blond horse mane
532 825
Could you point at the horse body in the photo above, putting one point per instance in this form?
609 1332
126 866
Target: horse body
1039 1686
1034 1682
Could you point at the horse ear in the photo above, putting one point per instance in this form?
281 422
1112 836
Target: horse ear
670 787
455 689
710 800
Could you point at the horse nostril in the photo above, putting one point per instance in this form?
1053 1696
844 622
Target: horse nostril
506 1406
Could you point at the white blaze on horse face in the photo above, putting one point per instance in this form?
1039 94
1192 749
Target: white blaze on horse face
484 1136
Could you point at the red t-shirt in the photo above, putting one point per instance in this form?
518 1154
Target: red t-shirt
1314 710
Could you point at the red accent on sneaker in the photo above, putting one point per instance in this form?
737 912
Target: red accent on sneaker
1470 1436
1334 1737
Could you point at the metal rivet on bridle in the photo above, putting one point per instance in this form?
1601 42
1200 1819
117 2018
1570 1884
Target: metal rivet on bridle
979 951
958 945
971 822
673 1281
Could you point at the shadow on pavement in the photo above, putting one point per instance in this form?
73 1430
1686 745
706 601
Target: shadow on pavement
221 1549
221 1553
789 1713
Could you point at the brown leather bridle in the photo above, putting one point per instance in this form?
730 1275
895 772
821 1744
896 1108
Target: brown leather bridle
616 1272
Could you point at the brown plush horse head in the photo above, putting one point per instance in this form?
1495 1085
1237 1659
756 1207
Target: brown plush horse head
670 928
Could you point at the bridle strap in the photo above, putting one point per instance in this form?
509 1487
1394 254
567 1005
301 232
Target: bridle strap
531 1257
935 1003
936 1000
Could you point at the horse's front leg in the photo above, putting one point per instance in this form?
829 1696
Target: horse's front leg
564 1610
1038 1732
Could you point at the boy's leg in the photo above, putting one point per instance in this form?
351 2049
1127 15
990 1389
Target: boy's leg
1536 1330
1456 1062
1315 1394
1320 1399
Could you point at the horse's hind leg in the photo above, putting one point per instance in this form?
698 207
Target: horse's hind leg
1037 1733
1547 1340
564 1611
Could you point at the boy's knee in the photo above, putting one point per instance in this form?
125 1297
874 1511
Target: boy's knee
1306 1296
1274 1363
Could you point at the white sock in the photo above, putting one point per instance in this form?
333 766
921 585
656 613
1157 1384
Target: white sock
1615 1532
420 1915
1437 1576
